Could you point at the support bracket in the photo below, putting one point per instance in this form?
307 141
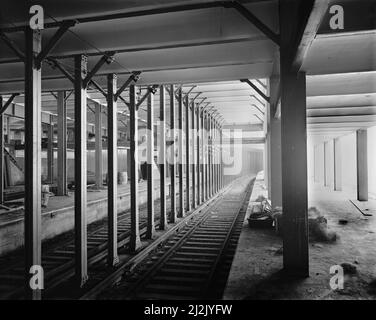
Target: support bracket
254 87
262 121
151 90
6 105
54 41
54 64
98 87
190 90
135 76
262 112
12 46
108 58
202 101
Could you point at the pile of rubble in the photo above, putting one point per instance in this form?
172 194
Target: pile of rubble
263 215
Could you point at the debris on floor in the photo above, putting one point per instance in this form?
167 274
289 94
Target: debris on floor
261 214
318 227
348 268
372 287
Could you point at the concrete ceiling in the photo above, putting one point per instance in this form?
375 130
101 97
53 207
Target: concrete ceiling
212 49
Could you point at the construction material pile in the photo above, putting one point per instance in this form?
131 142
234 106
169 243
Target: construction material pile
263 215
318 227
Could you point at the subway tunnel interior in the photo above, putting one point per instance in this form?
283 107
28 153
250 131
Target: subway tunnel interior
145 146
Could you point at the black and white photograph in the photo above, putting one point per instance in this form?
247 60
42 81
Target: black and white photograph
187 157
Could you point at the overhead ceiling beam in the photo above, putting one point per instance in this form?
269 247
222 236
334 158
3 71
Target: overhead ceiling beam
167 9
340 108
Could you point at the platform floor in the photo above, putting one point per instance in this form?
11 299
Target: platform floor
63 202
256 268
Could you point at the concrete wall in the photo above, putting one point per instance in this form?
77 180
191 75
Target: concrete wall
348 156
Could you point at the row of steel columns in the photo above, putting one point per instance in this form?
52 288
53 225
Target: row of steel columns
204 177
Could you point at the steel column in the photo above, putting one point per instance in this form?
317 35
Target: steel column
361 165
337 164
33 152
172 155
2 145
50 151
187 155
294 149
206 124
112 168
217 153
181 156
275 147
210 171
80 169
193 142
203 146
61 144
221 159
326 169
150 230
198 132
99 145
215 158
135 241
162 158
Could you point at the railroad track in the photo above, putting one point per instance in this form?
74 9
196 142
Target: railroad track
193 263
58 258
